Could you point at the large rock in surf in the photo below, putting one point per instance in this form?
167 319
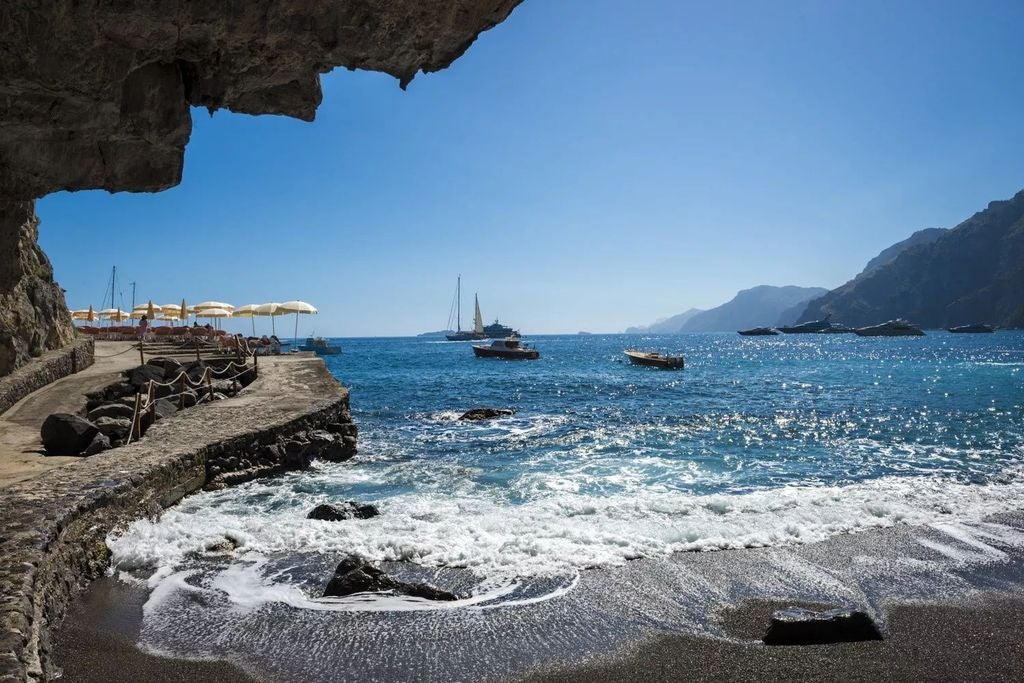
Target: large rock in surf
798 626
356 576
486 413
66 434
335 512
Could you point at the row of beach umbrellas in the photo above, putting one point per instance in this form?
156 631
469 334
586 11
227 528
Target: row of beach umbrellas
206 309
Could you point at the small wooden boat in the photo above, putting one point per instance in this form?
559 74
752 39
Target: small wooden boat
509 349
972 329
654 360
758 332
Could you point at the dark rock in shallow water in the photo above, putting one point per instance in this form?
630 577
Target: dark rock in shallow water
798 626
98 444
111 410
355 576
66 434
486 413
334 512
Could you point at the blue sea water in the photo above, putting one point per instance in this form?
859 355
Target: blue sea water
757 442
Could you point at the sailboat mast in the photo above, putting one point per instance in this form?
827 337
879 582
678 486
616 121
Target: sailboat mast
113 282
458 304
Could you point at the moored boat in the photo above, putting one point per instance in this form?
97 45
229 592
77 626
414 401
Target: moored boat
320 346
972 329
811 327
892 328
478 322
758 332
654 359
511 349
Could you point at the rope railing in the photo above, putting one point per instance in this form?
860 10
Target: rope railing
181 381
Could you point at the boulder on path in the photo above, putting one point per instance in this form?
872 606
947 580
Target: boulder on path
356 576
486 413
799 626
111 410
141 375
335 512
66 434
114 427
164 408
98 444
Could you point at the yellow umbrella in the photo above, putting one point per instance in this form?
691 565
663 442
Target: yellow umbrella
298 307
90 316
184 311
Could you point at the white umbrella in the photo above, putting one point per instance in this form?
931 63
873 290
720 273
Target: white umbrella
272 309
297 307
247 311
206 305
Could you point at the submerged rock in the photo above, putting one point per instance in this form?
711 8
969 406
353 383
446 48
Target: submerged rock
356 576
335 512
486 413
798 626
67 434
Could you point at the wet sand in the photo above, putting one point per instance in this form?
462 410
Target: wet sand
978 641
97 644
968 641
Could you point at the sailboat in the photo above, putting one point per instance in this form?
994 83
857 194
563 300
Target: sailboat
478 320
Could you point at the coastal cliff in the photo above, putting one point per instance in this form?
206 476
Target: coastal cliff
972 273
99 96
33 315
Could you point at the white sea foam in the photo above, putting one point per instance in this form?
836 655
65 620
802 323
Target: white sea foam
550 535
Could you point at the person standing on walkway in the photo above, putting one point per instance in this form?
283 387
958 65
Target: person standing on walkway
142 328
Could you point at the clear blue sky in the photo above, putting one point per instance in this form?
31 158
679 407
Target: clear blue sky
585 166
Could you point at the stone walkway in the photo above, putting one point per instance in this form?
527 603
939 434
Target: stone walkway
21 450
53 523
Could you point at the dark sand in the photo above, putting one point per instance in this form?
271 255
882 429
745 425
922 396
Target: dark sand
976 641
966 642
97 644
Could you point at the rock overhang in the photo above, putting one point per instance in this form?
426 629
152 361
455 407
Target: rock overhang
96 94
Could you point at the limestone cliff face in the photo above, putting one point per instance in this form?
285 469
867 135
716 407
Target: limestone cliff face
96 94
973 273
33 316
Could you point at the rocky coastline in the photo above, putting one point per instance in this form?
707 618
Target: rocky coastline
52 527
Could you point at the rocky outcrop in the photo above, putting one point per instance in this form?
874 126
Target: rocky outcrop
356 576
97 94
799 626
33 316
973 273
477 414
336 512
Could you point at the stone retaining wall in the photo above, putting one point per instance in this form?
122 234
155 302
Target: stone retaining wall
46 369
53 527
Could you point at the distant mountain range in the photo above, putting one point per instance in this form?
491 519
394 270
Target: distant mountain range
673 325
763 306
926 236
971 273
